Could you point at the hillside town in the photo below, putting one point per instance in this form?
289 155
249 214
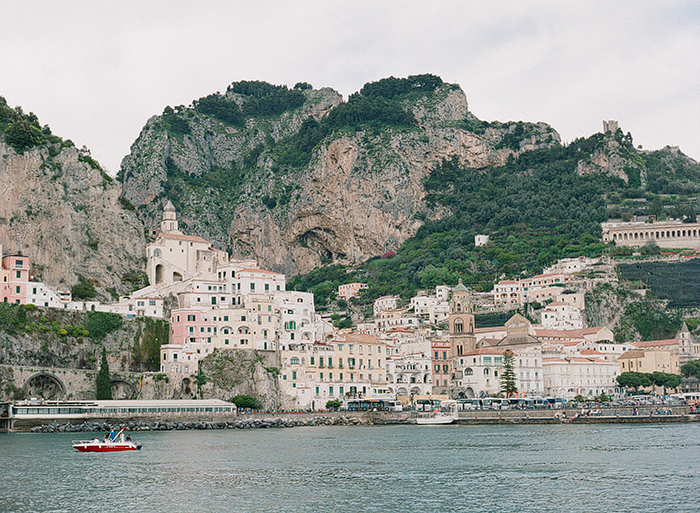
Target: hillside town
430 348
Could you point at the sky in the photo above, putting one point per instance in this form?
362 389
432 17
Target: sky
96 71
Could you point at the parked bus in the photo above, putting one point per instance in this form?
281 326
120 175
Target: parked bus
690 398
374 405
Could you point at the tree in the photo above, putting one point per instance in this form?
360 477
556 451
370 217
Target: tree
691 369
334 404
665 380
508 375
103 386
201 381
83 290
634 380
246 402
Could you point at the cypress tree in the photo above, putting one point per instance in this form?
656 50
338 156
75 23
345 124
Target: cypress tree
103 385
508 385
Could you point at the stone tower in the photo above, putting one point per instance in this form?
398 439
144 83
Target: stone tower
461 319
610 126
169 222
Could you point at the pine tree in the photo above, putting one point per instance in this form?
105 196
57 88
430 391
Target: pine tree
508 374
103 385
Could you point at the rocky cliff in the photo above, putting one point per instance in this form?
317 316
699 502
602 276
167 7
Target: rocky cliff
63 212
356 192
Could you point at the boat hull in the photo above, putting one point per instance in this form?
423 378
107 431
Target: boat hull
106 447
435 421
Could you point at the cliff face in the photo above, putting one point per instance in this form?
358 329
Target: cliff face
65 216
360 194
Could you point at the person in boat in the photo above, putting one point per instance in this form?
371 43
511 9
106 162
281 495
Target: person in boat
112 436
128 437
106 436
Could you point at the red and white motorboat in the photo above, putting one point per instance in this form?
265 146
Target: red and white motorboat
118 443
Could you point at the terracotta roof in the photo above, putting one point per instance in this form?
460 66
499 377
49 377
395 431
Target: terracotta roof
631 354
361 338
655 343
483 350
179 236
576 333
575 360
490 341
490 329
585 352
265 271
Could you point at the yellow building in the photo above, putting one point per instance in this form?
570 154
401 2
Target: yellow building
350 366
650 360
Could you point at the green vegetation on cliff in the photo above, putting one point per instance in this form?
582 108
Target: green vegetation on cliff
22 131
536 210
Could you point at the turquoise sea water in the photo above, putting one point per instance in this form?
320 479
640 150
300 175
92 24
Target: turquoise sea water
567 468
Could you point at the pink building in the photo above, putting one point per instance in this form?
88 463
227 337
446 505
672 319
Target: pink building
191 326
442 365
14 279
351 290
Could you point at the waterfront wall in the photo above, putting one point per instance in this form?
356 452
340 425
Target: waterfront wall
270 420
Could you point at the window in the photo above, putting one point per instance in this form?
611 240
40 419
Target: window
252 287
190 318
225 318
19 274
294 361
267 287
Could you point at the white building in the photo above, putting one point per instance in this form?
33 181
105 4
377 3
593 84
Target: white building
571 265
572 376
385 303
558 315
481 240
175 257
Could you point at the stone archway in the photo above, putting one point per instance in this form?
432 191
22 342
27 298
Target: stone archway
187 386
44 385
122 389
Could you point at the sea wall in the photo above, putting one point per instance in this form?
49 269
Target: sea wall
285 420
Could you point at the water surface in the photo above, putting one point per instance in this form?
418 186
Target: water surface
572 468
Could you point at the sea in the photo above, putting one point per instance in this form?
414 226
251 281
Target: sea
525 468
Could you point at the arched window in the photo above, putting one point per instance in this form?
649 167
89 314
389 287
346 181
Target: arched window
243 330
156 253
294 361
468 371
486 371
459 326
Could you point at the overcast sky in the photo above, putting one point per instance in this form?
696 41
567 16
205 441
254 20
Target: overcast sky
96 73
